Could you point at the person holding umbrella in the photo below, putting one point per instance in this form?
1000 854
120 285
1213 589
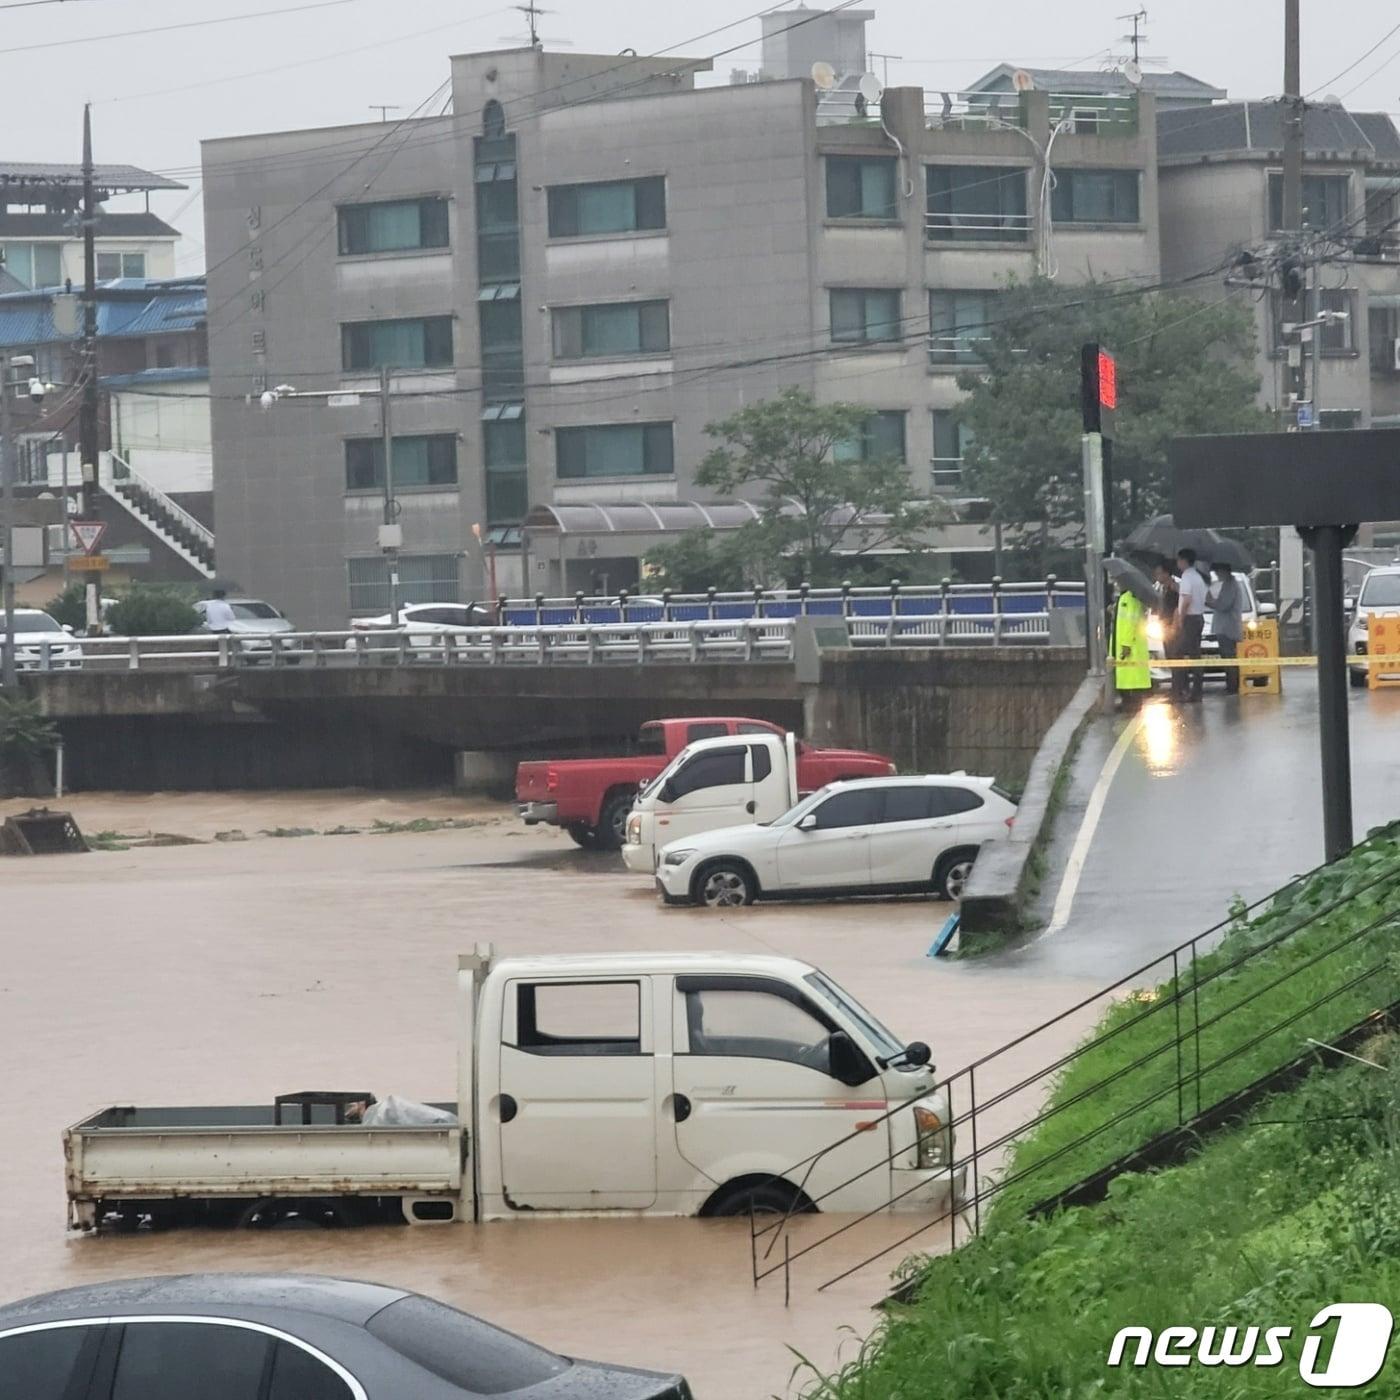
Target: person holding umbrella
1190 624
1227 621
1132 672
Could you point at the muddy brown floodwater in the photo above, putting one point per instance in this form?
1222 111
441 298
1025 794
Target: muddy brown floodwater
229 973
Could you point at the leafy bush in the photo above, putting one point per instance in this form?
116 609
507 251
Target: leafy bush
69 607
25 732
153 610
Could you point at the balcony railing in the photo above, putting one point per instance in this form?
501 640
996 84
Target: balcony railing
975 226
947 473
973 111
1095 113
962 348
1090 113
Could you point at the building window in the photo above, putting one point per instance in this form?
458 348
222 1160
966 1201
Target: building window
422 343
862 315
614 206
507 497
950 443
1325 200
496 210
1095 197
881 438
861 187
394 226
977 203
1338 336
617 328
35 264
423 578
426 461
504 444
113 265
958 324
1383 333
493 120
614 449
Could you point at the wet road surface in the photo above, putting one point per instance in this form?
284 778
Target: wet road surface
1208 802
229 973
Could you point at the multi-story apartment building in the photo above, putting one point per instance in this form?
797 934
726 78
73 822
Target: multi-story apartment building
586 264
41 242
1220 172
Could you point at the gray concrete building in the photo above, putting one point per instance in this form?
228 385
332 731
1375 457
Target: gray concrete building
1220 173
589 261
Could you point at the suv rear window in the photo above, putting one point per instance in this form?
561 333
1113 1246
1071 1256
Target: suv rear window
463 1350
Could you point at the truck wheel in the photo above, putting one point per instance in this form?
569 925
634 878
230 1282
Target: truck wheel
950 874
611 830
724 885
582 835
274 1213
767 1197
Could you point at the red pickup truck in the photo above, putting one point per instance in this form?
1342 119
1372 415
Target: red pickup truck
591 797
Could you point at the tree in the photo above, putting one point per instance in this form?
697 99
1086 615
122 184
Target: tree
851 498
153 610
1184 366
26 734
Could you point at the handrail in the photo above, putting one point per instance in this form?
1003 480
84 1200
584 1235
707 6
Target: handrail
1180 997
196 527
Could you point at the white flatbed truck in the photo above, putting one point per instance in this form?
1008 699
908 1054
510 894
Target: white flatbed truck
638 1084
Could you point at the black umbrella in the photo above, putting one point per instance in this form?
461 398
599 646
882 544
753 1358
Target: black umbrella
1161 538
1131 579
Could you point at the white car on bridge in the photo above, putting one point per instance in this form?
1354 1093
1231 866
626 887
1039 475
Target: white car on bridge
864 836
1380 593
42 642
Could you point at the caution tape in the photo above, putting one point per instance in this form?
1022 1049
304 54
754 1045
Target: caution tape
1215 663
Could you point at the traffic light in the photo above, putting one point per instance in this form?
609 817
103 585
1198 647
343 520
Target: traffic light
1098 382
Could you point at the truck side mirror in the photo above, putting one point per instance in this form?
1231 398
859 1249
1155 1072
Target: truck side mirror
917 1053
808 823
848 1064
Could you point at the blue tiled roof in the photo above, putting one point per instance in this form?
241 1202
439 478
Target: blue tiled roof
181 374
127 306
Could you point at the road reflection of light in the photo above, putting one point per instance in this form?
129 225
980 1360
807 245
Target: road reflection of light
1157 737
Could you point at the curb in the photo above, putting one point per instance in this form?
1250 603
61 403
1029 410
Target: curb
997 890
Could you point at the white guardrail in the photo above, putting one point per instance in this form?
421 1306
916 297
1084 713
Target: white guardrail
591 644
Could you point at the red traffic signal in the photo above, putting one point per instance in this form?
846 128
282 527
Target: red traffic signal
1098 375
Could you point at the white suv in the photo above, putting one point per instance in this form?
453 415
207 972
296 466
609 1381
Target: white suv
1380 593
864 836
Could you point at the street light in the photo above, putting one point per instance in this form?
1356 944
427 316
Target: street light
390 532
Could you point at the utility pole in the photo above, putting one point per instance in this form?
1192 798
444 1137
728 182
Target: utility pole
87 421
8 675
391 535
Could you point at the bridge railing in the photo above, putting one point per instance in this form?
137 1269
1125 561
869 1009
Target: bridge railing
858 605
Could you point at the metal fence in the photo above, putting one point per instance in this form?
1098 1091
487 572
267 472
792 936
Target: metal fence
1176 1060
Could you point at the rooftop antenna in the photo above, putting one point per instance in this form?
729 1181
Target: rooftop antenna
384 108
532 13
1139 35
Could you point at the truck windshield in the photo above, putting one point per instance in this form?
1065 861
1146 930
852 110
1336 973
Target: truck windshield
1381 591
884 1043
651 740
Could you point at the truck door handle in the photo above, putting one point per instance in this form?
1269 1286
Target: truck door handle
749 807
509 1108
682 1108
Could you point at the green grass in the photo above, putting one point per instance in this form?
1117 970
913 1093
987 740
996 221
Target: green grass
1130 1066
1268 1224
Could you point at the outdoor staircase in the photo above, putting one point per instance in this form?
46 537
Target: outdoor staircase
156 512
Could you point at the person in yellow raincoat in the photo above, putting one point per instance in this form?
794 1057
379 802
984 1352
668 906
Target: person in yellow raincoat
1133 671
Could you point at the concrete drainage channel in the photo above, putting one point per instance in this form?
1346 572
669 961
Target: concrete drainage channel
1003 880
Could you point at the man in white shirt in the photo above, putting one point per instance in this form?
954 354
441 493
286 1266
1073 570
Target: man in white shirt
1190 623
218 612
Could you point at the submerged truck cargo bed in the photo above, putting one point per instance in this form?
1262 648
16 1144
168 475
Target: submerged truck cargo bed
244 1152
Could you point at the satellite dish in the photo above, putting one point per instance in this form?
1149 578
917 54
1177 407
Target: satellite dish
823 75
1132 71
1022 81
870 88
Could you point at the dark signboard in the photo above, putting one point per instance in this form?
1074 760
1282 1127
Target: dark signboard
1307 478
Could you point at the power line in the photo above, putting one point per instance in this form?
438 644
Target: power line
169 28
1355 63
33 4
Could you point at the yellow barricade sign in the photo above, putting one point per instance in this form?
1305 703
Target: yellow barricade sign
1382 644
1260 644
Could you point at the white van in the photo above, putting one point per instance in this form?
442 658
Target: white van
635 1084
712 783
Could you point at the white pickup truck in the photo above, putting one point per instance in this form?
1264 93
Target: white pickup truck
641 1084
711 784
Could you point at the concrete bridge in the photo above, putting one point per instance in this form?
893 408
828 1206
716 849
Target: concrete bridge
376 726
